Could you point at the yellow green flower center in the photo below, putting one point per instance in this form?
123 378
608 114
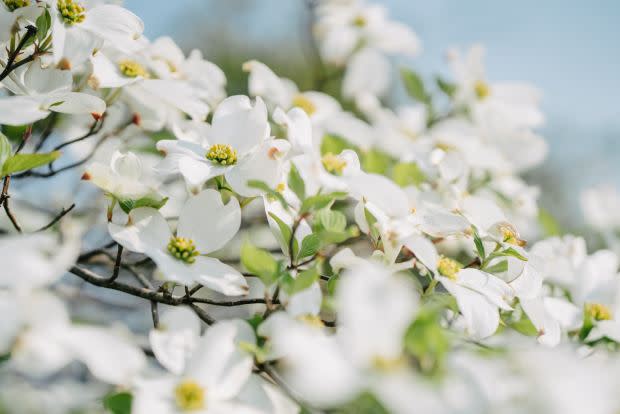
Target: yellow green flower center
510 235
16 4
333 164
482 89
222 154
598 312
71 11
359 21
189 396
383 364
304 103
311 320
444 147
183 249
132 69
449 267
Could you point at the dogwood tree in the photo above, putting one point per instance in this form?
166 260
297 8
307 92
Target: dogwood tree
167 248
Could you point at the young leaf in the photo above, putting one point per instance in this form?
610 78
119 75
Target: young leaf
509 252
415 86
407 173
118 403
375 161
309 245
446 87
296 183
286 232
43 23
261 185
479 244
333 221
549 224
334 144
259 262
127 205
320 200
303 281
499 267
23 162
5 149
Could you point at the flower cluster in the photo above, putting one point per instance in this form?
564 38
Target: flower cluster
284 251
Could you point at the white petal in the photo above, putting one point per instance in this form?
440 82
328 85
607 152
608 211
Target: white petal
263 82
219 364
146 231
240 126
43 81
262 164
21 110
368 72
106 74
115 24
380 191
306 302
197 172
208 221
424 250
481 316
220 277
109 357
75 103
175 339
548 328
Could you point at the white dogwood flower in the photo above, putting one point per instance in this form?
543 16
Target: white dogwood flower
81 27
215 374
40 91
205 224
124 179
239 147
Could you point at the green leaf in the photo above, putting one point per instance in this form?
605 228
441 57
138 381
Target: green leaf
408 173
319 201
296 183
23 162
427 341
309 245
508 252
261 185
14 133
303 281
446 87
127 205
415 86
43 23
5 149
524 326
375 161
259 262
334 144
499 267
331 220
479 244
365 403
549 224
287 233
372 221
118 403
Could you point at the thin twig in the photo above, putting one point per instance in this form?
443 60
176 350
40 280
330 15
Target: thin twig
11 216
117 263
30 31
56 219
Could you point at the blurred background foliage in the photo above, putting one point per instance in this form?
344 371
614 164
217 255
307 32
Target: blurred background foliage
568 48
